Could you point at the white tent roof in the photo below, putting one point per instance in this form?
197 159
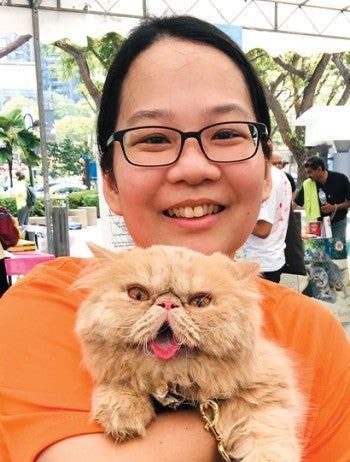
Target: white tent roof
325 124
306 26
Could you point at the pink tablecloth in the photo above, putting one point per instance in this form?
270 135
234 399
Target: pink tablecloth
22 262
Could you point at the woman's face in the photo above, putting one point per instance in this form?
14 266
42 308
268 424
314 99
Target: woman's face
195 203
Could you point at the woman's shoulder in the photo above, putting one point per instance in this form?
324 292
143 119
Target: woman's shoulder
48 285
63 270
298 321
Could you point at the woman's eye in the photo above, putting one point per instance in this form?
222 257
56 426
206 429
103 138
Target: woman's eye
200 300
138 293
154 139
226 135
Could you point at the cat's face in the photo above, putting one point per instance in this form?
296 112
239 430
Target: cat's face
170 301
319 276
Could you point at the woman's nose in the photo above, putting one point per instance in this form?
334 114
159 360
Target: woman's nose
193 166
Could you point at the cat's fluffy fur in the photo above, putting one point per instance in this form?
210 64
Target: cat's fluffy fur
211 306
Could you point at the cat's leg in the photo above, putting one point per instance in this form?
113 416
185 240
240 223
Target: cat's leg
121 412
264 434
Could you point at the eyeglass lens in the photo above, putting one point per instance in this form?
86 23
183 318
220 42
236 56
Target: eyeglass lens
226 142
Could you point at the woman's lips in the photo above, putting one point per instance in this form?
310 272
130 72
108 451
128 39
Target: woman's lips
197 211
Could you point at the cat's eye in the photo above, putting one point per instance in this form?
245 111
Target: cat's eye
200 300
138 293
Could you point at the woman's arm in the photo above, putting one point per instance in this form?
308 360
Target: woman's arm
172 437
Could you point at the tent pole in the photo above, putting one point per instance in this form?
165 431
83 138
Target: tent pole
42 125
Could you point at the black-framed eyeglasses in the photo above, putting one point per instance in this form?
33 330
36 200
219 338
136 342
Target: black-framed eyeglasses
156 145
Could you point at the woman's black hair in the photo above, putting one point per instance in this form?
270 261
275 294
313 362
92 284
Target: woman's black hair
141 38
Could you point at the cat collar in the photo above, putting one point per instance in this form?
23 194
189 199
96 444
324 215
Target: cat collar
168 396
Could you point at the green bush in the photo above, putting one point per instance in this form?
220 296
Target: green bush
9 203
38 210
88 198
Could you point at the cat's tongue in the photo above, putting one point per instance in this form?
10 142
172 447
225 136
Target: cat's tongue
164 348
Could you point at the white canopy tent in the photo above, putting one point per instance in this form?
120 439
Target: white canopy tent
304 26
325 125
329 126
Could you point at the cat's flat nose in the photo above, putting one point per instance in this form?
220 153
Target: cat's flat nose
168 304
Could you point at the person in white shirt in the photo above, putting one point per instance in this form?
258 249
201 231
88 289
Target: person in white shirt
267 242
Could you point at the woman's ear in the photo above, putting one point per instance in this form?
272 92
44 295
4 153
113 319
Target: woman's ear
111 193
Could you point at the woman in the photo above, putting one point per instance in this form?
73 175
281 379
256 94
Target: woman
179 189
23 209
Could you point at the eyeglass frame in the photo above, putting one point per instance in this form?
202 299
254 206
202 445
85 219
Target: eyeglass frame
118 135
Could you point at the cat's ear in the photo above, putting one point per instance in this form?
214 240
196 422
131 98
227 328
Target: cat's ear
247 269
100 253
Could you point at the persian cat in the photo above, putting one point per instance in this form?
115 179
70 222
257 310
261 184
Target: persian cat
173 325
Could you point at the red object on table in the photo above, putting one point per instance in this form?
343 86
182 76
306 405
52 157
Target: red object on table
22 262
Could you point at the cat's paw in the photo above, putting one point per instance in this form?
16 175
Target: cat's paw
122 416
121 426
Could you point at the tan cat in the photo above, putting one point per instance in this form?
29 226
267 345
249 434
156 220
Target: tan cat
177 325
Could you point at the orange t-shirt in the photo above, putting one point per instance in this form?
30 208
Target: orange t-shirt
45 392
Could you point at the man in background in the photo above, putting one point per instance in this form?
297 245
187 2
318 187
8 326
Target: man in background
294 250
277 161
334 185
266 244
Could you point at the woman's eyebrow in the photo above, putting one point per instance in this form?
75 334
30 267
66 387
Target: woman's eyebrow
223 109
159 114
149 114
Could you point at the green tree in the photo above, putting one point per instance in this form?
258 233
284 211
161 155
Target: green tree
64 106
64 157
293 84
14 137
76 128
91 62
21 102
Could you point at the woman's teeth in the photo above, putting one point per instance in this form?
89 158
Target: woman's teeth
194 212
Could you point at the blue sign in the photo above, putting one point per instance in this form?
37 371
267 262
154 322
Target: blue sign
234 32
93 171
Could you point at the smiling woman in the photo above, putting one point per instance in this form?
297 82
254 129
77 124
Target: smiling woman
187 78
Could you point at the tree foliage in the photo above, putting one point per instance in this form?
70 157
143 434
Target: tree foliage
64 157
28 105
293 84
78 129
64 106
15 137
92 61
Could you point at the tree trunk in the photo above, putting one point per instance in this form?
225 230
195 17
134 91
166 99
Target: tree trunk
83 69
14 45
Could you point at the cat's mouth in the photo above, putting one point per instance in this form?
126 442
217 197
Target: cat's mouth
164 345
194 212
